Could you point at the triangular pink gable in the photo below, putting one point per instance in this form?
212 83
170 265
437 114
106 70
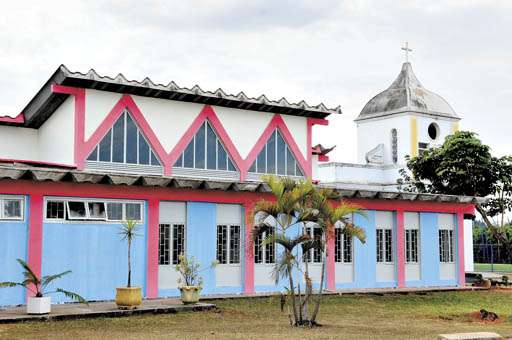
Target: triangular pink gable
277 122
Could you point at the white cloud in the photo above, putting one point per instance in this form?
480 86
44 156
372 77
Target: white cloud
321 51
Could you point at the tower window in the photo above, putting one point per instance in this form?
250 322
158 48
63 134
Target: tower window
394 146
433 131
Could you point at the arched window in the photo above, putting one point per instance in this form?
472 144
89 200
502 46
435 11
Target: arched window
124 143
205 151
276 158
394 145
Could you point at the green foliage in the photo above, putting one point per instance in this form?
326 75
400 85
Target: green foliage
128 232
295 204
189 269
38 285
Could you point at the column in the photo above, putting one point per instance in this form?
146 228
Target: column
248 251
400 253
152 248
460 248
35 234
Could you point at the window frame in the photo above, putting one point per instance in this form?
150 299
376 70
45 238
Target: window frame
341 246
409 252
87 219
228 244
384 246
450 252
263 248
310 258
18 198
171 242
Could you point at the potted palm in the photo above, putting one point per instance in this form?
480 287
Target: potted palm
190 283
128 297
40 303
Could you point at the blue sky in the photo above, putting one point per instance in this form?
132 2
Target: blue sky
335 52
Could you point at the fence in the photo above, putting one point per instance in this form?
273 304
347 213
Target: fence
490 257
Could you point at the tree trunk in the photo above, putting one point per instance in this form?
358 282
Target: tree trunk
320 291
292 289
129 264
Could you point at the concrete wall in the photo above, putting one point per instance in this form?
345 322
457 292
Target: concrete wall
95 254
13 245
18 143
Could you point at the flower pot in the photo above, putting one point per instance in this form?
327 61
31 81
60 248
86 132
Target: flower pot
190 294
128 297
39 305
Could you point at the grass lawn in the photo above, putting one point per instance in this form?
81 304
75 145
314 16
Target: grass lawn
501 267
345 317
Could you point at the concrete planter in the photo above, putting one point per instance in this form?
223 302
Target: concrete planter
128 297
190 294
39 305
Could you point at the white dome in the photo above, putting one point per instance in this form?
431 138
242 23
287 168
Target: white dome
406 94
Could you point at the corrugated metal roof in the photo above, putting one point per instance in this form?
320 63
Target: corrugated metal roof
45 102
40 174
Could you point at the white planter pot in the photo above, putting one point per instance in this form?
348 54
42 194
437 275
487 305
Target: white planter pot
39 305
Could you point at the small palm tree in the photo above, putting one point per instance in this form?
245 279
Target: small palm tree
38 285
128 232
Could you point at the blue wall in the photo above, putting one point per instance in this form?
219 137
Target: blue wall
96 255
13 245
365 255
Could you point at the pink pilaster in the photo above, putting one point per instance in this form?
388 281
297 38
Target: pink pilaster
249 252
331 266
152 268
460 250
35 233
400 251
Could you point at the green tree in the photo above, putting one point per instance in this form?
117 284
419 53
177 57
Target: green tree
295 204
463 165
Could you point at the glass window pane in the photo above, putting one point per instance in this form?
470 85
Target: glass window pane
199 152
76 210
179 162
94 155
164 244
133 211
131 141
143 150
118 140
115 211
188 155
12 208
222 157
154 159
298 171
281 154
234 244
290 163
55 209
271 154
178 242
262 161
253 167
105 147
211 146
231 166
97 210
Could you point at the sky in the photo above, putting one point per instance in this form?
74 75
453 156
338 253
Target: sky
335 52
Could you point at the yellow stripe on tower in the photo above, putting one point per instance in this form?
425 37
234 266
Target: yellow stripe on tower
455 127
414 137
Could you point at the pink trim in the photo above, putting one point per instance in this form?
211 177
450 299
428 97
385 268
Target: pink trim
24 161
35 233
309 141
207 113
331 265
79 94
152 262
249 252
414 206
400 231
460 250
19 119
277 122
323 158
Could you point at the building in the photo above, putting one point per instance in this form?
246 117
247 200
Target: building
89 151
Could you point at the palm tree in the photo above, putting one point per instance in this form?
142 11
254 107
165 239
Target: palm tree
38 285
284 213
128 232
296 204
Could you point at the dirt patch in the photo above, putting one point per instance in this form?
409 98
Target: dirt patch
484 317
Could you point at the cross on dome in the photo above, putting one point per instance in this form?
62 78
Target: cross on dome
406 49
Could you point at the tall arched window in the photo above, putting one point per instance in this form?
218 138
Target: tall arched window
394 145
